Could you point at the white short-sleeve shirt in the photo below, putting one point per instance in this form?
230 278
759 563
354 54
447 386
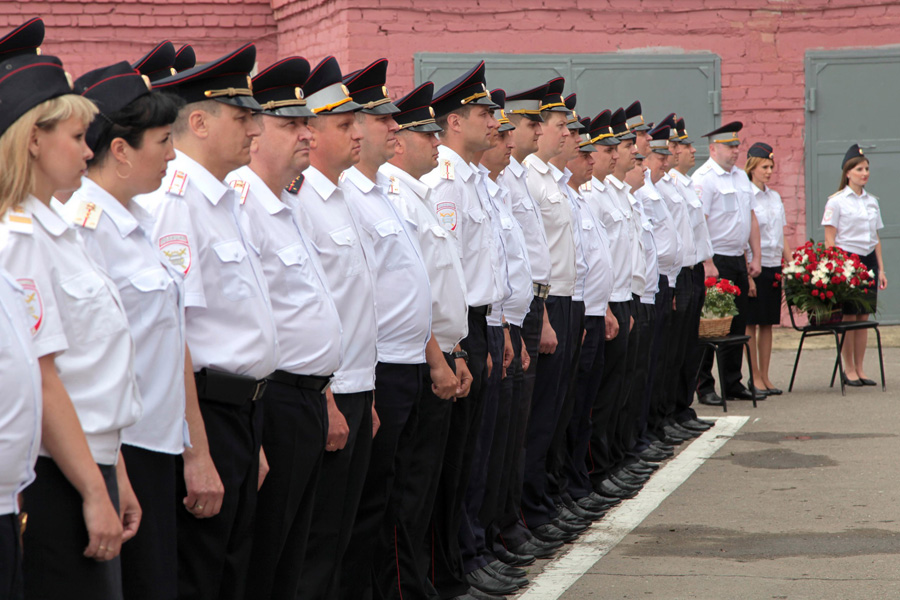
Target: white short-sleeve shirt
229 323
598 278
462 209
519 289
119 240
857 219
545 184
769 212
665 234
610 206
702 244
94 349
449 311
528 214
678 207
727 200
322 212
20 402
402 291
301 301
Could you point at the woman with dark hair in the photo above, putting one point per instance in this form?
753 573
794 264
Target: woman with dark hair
852 219
132 143
81 504
764 297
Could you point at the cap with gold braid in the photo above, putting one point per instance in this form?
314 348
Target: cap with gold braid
573 120
416 113
158 63
468 88
659 139
601 132
26 81
367 88
111 88
682 133
584 132
498 96
527 103
326 94
24 39
634 118
553 100
278 88
185 58
726 134
670 121
225 80
620 127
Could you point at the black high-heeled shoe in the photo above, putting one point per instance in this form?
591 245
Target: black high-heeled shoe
852 382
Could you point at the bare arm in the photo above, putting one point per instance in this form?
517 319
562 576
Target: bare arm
830 234
755 266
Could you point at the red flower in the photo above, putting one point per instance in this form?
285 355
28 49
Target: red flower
854 281
710 282
829 294
815 293
777 276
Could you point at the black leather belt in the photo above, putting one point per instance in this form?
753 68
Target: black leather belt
541 290
316 383
228 388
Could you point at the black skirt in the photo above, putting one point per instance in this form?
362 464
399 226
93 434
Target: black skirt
871 262
765 309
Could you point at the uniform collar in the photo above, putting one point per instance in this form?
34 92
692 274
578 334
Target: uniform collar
321 184
259 189
848 191
124 221
719 170
419 188
537 164
681 177
557 174
651 191
515 167
48 219
596 183
619 185
211 188
362 182
460 166
493 188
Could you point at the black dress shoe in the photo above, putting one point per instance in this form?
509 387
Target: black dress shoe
570 527
473 593
745 394
705 421
852 382
711 399
685 431
624 485
653 456
513 559
629 477
773 392
604 500
676 434
519 582
565 514
504 569
639 469
586 514
867 381
550 544
532 549
694 425
648 464
482 581
608 488
662 446
551 533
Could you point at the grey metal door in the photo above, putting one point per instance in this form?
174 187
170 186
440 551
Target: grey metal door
851 97
686 84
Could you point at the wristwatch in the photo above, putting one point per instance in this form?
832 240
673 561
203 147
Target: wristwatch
505 324
461 354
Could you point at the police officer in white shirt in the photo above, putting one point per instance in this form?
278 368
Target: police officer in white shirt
464 110
727 199
524 112
20 377
230 326
295 427
403 310
405 571
323 212
133 135
686 382
81 502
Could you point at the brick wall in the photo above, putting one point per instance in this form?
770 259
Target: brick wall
93 33
762 44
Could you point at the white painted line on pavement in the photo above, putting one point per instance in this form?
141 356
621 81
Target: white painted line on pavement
559 574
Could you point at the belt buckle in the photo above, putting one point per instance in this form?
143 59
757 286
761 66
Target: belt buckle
327 385
259 390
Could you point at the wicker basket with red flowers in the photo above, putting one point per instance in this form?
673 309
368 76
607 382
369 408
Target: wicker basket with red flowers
819 281
718 307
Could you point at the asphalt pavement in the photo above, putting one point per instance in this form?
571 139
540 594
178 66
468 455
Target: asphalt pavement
803 502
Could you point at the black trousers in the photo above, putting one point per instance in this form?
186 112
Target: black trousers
509 524
150 558
687 378
587 384
401 573
645 323
447 573
608 402
678 341
472 530
549 394
55 538
12 582
213 553
558 457
659 354
733 268
340 486
398 389
295 428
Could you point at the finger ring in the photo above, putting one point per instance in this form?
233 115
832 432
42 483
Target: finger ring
102 548
199 507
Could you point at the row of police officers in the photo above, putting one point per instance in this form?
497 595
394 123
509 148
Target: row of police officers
283 336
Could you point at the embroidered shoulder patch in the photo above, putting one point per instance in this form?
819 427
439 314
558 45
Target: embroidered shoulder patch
242 188
446 170
87 215
33 304
19 221
394 187
178 183
177 249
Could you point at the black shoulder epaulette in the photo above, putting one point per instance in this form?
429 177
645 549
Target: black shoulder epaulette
295 185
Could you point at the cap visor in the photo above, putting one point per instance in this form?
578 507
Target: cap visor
639 156
734 143
626 136
686 141
506 127
643 127
427 128
290 112
662 151
610 141
532 117
557 109
587 148
240 101
343 108
484 102
387 108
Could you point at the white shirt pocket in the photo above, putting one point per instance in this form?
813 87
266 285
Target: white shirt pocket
235 278
392 249
90 308
148 290
442 254
347 250
729 197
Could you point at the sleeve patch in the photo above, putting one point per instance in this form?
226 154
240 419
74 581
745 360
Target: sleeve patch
34 306
177 249
446 212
